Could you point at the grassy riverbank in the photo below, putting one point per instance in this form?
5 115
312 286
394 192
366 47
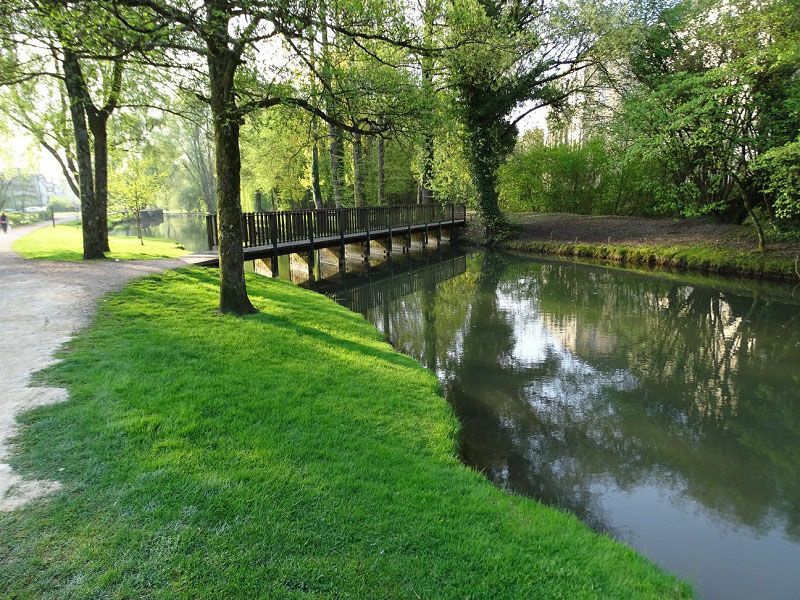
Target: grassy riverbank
697 244
287 454
65 243
724 261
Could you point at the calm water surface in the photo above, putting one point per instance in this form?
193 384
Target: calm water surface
661 411
188 230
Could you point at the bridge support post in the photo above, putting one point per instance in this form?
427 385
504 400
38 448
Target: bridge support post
389 239
379 246
301 267
264 267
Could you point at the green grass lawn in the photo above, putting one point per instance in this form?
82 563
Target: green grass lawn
288 454
65 243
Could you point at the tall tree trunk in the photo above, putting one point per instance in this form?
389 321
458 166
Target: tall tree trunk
99 126
381 177
98 123
92 228
426 193
315 187
222 64
485 153
358 170
315 174
336 142
335 134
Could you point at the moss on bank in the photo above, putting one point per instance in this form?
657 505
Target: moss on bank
287 454
65 243
710 259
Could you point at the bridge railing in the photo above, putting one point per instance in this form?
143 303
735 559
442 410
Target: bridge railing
276 227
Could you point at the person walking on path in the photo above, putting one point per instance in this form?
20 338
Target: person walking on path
4 222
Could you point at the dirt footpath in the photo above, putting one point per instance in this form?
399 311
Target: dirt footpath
42 304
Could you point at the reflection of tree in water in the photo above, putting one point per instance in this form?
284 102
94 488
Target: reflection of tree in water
566 377
634 378
718 407
188 230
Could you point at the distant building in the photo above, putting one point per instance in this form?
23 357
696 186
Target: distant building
20 191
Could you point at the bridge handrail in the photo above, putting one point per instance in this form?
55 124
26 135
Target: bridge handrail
275 227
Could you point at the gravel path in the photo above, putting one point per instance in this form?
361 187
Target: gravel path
42 304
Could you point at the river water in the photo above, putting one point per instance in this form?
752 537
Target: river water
663 410
188 229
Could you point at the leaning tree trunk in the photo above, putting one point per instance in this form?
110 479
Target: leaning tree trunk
92 228
225 116
762 239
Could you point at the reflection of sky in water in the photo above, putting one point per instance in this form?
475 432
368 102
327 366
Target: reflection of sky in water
576 382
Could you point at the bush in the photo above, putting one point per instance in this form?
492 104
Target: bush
62 205
590 177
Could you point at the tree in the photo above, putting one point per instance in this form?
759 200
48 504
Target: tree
135 187
778 171
41 111
715 89
53 34
519 52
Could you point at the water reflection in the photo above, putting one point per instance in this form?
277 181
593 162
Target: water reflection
665 413
187 229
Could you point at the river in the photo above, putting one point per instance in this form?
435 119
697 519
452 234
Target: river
663 410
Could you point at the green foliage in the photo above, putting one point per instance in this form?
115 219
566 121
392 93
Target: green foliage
58 204
16 219
137 185
714 89
308 458
276 159
779 170
588 177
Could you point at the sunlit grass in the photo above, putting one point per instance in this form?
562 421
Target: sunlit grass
65 243
288 454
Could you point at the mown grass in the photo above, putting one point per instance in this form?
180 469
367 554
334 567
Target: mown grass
65 243
288 454
725 261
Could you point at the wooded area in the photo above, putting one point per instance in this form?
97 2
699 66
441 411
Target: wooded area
663 108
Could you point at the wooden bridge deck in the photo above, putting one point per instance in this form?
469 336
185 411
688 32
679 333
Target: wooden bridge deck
268 235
